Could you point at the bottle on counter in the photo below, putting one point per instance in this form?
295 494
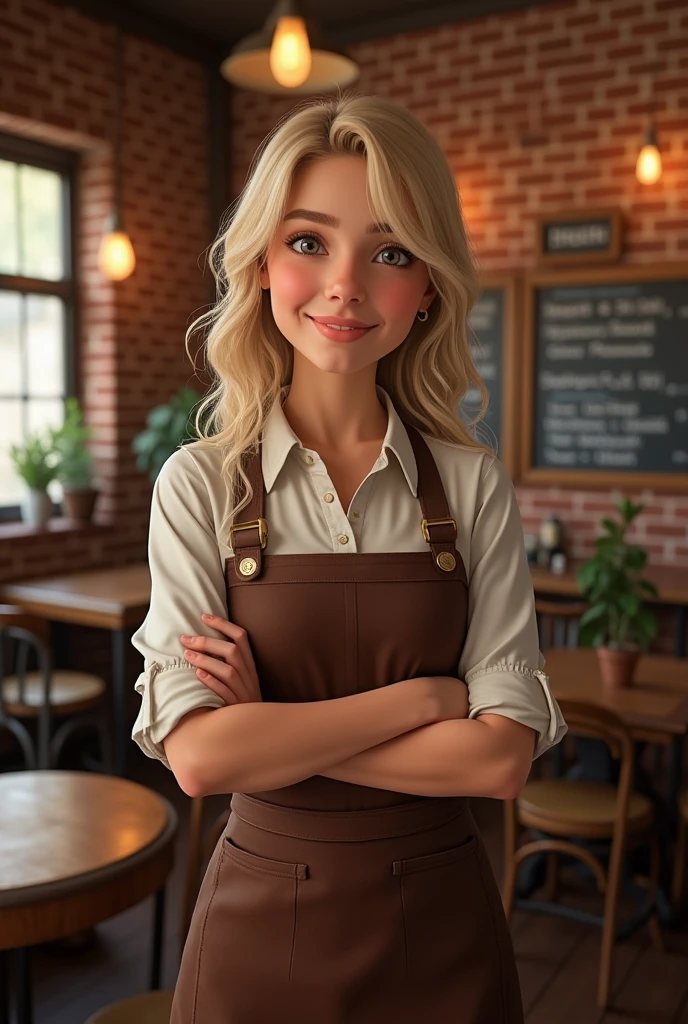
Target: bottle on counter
551 544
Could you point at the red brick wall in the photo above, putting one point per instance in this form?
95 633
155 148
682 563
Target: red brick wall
574 78
57 84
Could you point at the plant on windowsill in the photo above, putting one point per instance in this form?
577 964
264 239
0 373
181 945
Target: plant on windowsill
617 623
167 426
36 463
74 469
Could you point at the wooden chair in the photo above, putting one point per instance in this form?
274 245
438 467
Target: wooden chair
78 698
566 810
155 1007
558 622
681 851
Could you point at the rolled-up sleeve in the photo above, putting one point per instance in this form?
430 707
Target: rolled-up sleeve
186 580
501 663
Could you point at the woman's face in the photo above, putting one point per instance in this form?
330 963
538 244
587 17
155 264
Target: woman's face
340 269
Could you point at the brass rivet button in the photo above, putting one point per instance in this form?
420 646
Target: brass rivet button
446 561
343 539
247 566
328 497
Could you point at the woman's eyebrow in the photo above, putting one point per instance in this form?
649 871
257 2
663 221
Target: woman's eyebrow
333 222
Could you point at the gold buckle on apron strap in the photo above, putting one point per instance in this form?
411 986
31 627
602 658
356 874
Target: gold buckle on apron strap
424 523
262 530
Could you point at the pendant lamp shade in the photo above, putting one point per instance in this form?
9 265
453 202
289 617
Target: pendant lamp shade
288 55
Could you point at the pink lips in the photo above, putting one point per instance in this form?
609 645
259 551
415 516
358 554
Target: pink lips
334 334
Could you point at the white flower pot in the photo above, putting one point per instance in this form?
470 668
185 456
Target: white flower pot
36 508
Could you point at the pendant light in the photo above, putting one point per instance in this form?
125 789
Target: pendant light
116 257
289 54
648 167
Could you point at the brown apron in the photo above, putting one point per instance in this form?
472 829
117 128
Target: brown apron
326 902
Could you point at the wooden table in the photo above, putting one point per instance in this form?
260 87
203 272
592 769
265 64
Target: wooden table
75 849
655 707
115 599
671 582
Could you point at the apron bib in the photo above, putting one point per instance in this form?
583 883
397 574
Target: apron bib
331 903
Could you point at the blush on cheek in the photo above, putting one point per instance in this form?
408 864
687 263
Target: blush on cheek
397 301
291 286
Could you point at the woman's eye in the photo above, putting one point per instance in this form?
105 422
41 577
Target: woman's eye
313 240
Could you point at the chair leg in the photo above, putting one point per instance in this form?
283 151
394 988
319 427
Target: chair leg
679 864
653 925
552 883
609 926
510 871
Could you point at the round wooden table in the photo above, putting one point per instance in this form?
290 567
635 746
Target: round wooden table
76 848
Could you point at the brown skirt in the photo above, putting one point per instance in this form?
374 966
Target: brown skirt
356 917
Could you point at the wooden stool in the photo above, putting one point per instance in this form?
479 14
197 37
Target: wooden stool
146 1008
77 848
46 693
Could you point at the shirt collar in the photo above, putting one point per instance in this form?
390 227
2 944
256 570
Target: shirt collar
279 439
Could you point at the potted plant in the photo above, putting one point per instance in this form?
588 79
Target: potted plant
74 470
617 623
36 463
167 426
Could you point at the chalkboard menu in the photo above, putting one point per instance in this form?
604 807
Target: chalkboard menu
607 375
491 333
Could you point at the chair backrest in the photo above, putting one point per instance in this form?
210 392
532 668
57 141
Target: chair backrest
26 641
558 622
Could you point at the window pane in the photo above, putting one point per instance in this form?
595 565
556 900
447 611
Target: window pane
9 244
44 413
10 351
41 223
11 485
45 344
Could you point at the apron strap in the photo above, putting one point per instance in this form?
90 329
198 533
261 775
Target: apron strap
249 535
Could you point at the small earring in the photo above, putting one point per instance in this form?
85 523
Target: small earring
422 314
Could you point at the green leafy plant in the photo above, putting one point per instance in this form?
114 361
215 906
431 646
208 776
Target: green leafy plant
75 461
617 617
167 426
35 461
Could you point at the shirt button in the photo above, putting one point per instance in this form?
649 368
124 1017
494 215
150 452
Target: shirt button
310 460
355 513
328 497
343 539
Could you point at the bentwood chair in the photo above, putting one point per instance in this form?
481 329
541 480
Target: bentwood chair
586 820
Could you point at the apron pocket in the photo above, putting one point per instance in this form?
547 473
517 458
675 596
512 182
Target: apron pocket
449 927
250 931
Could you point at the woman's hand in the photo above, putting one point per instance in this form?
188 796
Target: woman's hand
225 666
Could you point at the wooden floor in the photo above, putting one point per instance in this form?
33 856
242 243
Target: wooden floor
557 959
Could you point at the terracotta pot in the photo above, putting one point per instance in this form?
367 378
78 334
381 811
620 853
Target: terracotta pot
78 504
617 667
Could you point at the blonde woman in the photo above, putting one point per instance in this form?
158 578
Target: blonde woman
341 631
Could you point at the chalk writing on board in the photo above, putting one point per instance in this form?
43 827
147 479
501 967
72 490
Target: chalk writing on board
486 337
612 377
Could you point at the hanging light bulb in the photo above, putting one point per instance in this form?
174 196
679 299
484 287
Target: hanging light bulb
116 257
290 53
648 168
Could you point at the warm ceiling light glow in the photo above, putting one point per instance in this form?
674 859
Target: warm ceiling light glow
290 53
116 255
648 168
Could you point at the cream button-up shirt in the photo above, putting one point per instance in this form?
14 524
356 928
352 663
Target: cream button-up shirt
501 663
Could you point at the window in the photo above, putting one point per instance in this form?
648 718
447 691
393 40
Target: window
37 293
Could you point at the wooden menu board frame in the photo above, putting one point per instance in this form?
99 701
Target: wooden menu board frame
593 479
509 441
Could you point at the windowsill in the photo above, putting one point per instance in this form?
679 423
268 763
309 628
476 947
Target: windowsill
56 524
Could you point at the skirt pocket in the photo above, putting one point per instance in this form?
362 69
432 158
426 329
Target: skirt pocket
448 918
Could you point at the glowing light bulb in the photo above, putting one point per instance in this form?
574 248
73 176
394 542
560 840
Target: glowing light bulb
116 257
648 168
290 53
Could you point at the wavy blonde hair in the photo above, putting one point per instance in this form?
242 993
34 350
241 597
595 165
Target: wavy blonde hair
410 186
